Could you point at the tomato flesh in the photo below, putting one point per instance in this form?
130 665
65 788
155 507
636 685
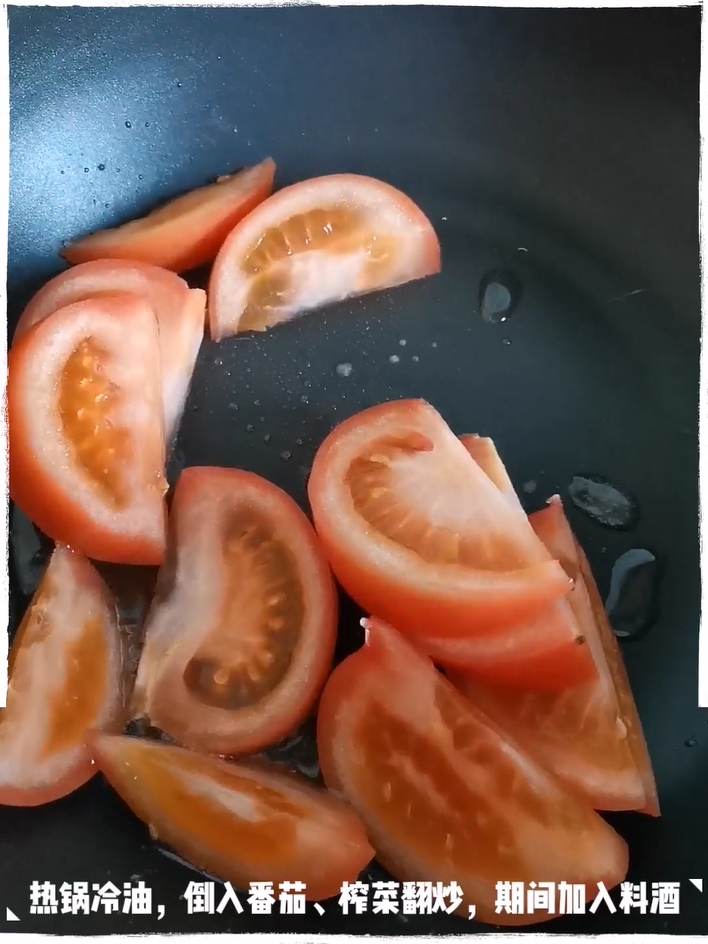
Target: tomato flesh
418 535
543 651
65 679
589 736
484 453
186 232
242 822
180 313
241 639
444 794
86 437
314 243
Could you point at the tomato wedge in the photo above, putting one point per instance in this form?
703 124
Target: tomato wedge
484 453
241 637
418 535
242 822
542 651
314 243
444 794
186 232
65 679
590 737
180 313
87 450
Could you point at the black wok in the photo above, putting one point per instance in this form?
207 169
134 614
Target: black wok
560 146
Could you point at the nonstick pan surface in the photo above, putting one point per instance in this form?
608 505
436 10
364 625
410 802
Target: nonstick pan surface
560 147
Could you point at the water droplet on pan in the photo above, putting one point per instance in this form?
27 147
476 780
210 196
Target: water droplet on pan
632 599
604 502
499 294
344 370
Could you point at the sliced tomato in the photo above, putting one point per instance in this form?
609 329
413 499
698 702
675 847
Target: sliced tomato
543 651
552 527
444 794
484 453
242 822
65 679
186 232
418 535
241 637
314 243
590 736
180 313
87 451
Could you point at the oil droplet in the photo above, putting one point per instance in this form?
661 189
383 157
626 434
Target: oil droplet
140 177
286 454
344 370
394 358
691 742
128 124
101 166
530 486
499 294
604 502
633 596
506 341
415 358
403 342
249 428
86 170
267 438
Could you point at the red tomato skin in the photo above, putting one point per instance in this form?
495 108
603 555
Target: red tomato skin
412 608
351 855
165 248
551 525
84 768
40 796
59 515
565 665
342 689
